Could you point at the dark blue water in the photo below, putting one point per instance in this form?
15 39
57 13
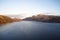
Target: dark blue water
30 30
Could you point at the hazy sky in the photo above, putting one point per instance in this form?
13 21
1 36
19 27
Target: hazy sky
29 7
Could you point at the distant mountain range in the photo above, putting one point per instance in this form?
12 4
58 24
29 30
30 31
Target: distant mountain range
6 19
14 16
44 18
39 17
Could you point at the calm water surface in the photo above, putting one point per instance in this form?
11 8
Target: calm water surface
30 30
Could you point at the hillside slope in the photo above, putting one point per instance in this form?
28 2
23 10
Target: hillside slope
6 19
44 18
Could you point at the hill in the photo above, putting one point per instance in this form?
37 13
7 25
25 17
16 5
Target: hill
6 19
44 18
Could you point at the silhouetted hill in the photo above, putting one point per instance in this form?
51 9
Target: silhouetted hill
44 18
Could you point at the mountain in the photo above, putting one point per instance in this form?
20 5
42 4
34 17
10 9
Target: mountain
44 18
6 19
16 16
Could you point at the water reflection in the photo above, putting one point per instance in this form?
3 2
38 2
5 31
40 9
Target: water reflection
30 30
